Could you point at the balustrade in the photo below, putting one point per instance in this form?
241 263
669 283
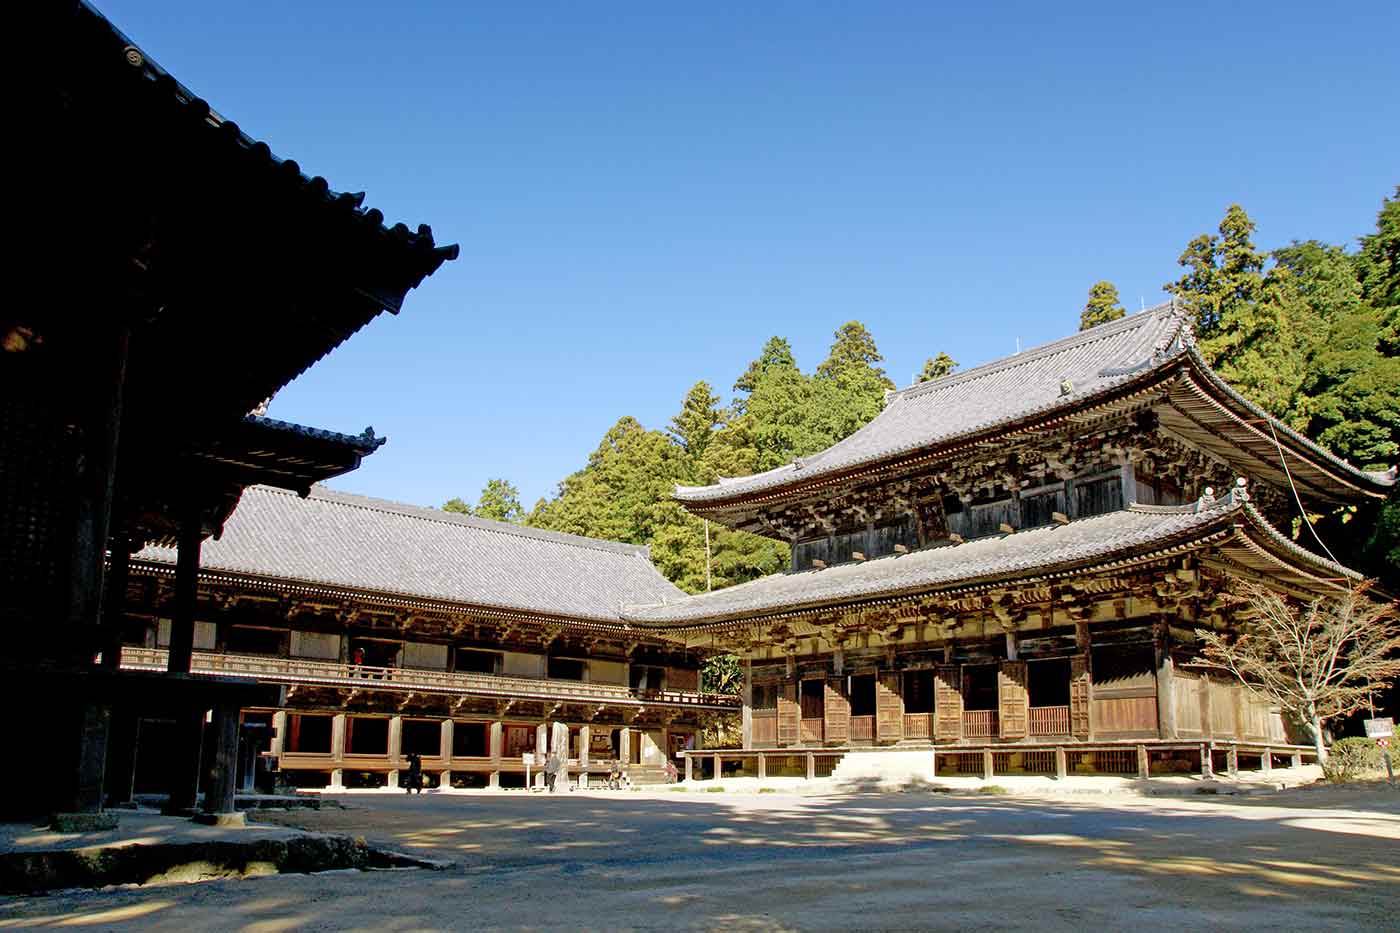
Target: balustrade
1049 720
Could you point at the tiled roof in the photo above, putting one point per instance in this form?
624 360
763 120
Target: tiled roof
358 543
418 247
1097 540
365 442
969 402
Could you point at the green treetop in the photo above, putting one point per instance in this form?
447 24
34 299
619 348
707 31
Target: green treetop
695 424
457 505
1103 306
853 347
499 501
1223 281
936 367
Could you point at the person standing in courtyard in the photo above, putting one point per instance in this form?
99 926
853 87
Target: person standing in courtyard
415 774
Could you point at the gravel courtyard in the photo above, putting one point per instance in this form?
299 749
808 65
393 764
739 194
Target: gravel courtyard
1309 858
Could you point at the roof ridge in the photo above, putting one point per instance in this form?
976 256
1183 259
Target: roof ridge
1099 332
430 514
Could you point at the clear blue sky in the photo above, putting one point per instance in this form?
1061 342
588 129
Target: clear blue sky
644 193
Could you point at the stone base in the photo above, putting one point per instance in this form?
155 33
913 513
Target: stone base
236 818
83 822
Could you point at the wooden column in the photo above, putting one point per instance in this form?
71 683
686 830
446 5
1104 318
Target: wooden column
395 749
338 749
1142 762
811 767
718 771
746 720
1266 761
1166 681
1232 761
445 741
186 589
223 771
94 729
1207 766
988 764
585 736
762 767
689 768
1061 764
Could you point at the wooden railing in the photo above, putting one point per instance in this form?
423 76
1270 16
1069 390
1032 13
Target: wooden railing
293 670
812 730
918 725
1049 720
979 723
862 728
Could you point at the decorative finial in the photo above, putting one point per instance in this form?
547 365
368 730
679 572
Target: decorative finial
1066 387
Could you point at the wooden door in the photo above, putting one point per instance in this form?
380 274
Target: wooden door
948 703
836 713
1012 699
889 709
1080 695
789 715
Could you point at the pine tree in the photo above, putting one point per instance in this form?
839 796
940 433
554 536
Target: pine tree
1103 306
936 367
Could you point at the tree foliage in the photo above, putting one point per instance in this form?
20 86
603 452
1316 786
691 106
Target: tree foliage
1318 660
936 367
499 501
1103 306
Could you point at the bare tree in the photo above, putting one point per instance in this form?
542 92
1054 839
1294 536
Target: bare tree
1316 660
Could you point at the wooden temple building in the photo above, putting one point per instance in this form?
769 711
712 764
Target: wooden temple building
394 630
187 274
1009 564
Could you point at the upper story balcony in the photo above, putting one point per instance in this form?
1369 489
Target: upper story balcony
415 680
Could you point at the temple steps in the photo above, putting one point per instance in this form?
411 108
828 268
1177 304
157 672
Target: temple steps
885 769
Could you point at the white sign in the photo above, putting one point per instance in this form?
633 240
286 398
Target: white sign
1380 728
528 759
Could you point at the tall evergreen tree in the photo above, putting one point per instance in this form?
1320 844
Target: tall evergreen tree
853 347
1378 267
695 424
1223 280
776 352
499 501
1103 306
936 367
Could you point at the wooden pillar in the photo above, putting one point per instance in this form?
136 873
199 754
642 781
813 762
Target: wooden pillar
223 770
1207 767
585 737
689 768
1061 764
186 589
762 767
1012 644
1143 766
1266 761
1166 681
718 769
338 749
624 748
279 733
811 767
93 731
496 738
445 741
1296 761
395 749
746 721
988 764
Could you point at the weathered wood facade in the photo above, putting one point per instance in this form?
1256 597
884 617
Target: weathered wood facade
392 629
1020 555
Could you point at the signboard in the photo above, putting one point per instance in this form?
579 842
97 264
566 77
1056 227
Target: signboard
1380 728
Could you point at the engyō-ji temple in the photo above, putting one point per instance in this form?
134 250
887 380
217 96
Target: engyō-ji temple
1001 573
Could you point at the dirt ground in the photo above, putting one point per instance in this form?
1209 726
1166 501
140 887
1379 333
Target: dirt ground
1308 858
